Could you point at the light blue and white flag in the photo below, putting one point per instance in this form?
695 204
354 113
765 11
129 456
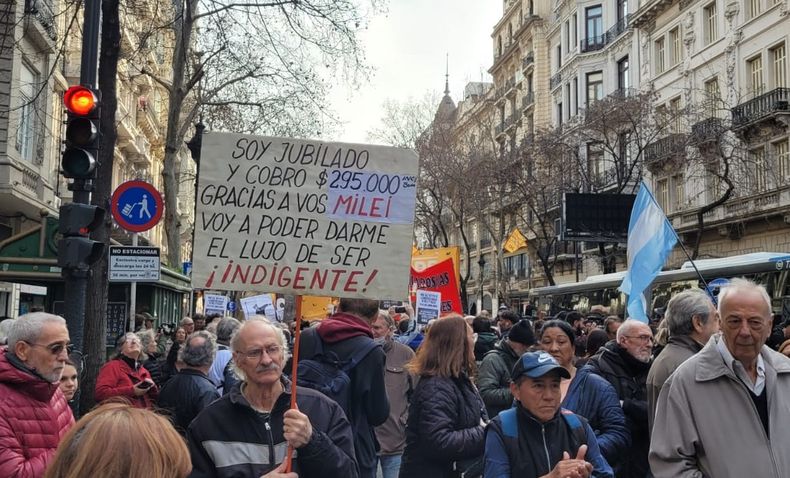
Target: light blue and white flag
650 240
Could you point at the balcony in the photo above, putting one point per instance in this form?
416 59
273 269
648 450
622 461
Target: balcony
555 81
592 43
43 12
499 129
774 105
605 178
666 148
707 130
510 86
510 121
618 29
528 60
528 100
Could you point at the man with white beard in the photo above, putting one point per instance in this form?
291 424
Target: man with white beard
625 363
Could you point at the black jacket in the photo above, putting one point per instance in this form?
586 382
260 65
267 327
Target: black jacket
443 427
230 439
185 396
156 367
485 343
628 376
369 405
493 378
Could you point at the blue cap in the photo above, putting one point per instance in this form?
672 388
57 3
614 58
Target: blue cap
536 365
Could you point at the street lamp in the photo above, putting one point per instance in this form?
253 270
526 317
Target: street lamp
481 262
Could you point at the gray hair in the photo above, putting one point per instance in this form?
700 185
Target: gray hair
27 328
185 321
122 340
627 327
146 337
682 309
744 285
5 327
198 354
226 327
387 319
262 320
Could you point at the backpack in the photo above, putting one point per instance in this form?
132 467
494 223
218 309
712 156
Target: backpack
326 373
510 424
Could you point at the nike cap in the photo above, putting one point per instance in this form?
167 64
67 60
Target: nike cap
536 365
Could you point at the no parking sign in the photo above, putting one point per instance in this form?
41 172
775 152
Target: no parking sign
136 206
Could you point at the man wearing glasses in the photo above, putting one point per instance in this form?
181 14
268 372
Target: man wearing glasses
725 412
34 413
625 363
247 432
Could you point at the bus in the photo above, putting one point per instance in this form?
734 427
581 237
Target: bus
770 269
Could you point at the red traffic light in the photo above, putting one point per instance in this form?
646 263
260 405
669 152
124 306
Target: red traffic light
80 100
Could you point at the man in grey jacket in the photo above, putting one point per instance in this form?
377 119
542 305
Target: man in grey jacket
724 413
692 319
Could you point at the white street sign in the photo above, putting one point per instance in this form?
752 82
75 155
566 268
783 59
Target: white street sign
134 264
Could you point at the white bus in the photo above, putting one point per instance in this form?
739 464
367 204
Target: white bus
768 268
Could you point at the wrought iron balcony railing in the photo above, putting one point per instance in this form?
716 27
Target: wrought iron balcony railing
768 104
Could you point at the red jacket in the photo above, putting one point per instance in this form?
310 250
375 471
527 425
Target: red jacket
34 417
117 378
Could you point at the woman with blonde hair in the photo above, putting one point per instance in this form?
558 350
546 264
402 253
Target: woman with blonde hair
118 441
445 429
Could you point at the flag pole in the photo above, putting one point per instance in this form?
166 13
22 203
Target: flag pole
294 363
680 242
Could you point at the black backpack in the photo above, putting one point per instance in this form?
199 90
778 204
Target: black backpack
326 373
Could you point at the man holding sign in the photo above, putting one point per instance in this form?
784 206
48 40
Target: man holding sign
246 433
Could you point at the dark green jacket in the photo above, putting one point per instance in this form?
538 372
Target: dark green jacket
493 378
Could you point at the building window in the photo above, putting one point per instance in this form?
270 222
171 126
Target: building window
623 81
677 201
676 45
575 27
660 55
709 16
782 155
624 152
559 57
712 97
595 161
622 10
759 169
559 114
576 95
594 87
568 97
26 129
567 36
754 8
662 193
779 60
756 75
594 21
674 110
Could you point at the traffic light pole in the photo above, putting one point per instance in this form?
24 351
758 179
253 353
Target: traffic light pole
76 278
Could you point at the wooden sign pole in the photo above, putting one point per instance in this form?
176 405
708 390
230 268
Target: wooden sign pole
295 362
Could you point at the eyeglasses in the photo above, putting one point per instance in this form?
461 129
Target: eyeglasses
56 349
642 338
256 354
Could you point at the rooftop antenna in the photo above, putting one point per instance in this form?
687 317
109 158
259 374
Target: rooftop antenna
447 74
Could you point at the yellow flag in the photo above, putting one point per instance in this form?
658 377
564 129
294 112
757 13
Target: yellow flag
515 241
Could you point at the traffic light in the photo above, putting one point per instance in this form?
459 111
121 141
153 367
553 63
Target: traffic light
82 132
76 250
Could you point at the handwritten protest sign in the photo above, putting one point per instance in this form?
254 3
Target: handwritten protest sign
214 304
304 217
259 305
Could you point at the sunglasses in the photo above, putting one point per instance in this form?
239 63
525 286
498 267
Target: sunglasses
56 349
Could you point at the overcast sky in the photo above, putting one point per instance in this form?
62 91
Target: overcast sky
407 49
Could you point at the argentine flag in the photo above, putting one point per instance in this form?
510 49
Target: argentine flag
650 240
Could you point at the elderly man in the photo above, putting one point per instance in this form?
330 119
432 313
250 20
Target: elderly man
34 413
692 319
247 432
724 412
536 438
188 325
391 434
625 363
190 390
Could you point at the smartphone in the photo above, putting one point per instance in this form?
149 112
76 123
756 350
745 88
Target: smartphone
145 384
400 309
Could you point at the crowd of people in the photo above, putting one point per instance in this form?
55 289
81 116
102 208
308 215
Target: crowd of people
570 396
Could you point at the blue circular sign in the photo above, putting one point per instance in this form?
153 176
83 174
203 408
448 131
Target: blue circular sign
136 206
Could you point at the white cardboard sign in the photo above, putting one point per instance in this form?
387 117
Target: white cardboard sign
429 306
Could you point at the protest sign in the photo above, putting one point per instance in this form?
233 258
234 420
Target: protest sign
428 306
259 305
304 217
441 278
214 304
